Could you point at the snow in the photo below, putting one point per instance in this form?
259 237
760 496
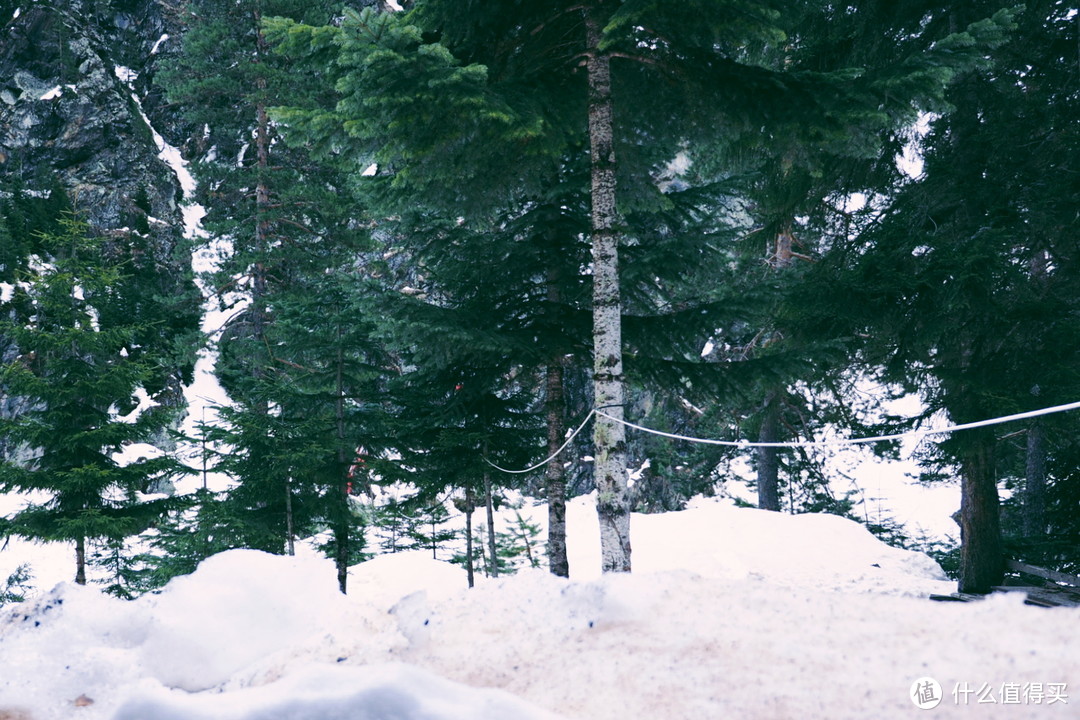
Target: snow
910 160
157 43
730 612
205 394
52 94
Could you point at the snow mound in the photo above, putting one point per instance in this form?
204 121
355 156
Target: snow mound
716 539
238 608
319 692
385 579
729 613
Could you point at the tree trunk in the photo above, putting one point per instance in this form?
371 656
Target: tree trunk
768 465
80 561
493 568
609 436
341 526
982 560
470 505
1035 482
290 531
555 471
1034 519
262 194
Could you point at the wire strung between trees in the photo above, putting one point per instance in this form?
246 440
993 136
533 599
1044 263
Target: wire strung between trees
852 441
798 443
553 455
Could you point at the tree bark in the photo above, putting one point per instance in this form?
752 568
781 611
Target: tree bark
609 436
80 561
470 505
555 471
341 526
493 570
290 530
982 560
1035 482
768 465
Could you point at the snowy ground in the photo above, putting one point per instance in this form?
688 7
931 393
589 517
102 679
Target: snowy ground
730 613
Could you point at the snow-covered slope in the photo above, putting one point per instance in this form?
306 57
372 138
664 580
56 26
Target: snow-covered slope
731 613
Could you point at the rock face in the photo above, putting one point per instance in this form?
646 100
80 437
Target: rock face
76 87
65 114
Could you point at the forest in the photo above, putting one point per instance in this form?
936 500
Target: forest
452 248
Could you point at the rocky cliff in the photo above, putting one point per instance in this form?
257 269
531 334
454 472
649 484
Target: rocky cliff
77 102
67 112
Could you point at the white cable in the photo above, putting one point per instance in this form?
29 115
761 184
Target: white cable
849 441
553 455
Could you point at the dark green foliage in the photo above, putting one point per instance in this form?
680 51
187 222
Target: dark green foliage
125 574
16 586
967 275
429 533
519 547
189 535
25 218
74 369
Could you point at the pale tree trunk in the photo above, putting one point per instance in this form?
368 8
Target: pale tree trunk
555 471
982 559
290 531
609 436
493 570
1035 466
768 461
80 561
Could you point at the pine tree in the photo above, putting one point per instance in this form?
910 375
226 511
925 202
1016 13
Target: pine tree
76 370
328 380
16 585
965 276
504 81
288 221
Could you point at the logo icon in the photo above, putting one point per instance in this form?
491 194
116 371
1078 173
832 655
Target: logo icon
925 693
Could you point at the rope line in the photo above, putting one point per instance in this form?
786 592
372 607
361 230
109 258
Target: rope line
795 443
552 456
852 441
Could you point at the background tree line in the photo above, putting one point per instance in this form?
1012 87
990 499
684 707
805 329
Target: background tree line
460 228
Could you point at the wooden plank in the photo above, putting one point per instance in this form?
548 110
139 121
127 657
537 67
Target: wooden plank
1044 596
1060 577
1015 588
957 597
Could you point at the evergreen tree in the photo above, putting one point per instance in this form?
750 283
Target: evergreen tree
287 222
76 370
504 81
966 275
328 381
16 585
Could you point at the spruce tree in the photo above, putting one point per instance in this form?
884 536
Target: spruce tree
966 275
76 369
286 222
442 98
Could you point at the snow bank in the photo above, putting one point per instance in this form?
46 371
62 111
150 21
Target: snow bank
716 539
731 613
326 692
